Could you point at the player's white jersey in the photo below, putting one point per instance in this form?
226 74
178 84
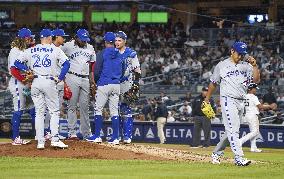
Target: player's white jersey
251 104
233 78
13 55
43 59
79 57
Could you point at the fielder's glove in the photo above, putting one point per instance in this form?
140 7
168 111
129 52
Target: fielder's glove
207 110
29 77
67 92
132 95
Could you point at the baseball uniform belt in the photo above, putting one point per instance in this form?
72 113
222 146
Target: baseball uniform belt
46 77
79 75
241 99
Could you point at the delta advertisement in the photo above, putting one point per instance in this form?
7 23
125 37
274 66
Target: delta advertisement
175 133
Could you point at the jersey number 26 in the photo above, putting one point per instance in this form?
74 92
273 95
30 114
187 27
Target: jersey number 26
45 61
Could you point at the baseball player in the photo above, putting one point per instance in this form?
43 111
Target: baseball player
252 106
58 39
81 56
18 84
130 78
43 60
107 74
234 76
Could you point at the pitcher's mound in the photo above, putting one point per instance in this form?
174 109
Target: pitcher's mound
76 149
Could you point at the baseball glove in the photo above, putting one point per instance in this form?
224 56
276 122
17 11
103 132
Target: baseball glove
207 110
132 95
93 89
67 92
29 77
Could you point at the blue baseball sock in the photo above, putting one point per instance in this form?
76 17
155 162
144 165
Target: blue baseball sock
98 125
115 127
129 127
16 124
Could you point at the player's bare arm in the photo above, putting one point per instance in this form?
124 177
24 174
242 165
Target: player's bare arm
211 88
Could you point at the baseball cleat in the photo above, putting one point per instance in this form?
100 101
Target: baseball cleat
73 137
47 136
127 140
94 139
215 158
40 146
256 150
242 162
113 141
59 144
61 137
19 141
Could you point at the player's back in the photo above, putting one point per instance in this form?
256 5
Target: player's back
251 104
43 59
111 68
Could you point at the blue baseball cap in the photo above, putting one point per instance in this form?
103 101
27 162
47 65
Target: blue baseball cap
59 32
24 32
109 37
83 35
121 34
240 47
45 33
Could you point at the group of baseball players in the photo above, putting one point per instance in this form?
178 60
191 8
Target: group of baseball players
48 67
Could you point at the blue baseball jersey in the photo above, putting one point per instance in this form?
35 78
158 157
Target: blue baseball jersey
108 68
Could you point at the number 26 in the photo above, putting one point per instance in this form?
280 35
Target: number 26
45 61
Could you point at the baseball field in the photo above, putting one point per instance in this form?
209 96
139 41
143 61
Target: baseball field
133 161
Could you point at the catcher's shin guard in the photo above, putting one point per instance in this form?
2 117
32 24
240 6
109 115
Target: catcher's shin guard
127 122
16 124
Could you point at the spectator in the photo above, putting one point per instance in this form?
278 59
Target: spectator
201 121
161 114
185 110
270 99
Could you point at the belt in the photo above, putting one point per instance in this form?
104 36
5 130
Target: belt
79 75
46 77
241 99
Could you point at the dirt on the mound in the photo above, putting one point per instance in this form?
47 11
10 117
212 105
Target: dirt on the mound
76 149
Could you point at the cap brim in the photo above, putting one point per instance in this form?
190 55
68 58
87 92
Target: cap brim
85 39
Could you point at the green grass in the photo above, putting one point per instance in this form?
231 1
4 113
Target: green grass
20 167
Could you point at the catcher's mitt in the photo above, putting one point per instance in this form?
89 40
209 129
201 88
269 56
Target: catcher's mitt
207 110
29 77
93 89
132 95
67 92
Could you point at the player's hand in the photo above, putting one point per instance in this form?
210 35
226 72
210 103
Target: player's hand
252 61
93 89
206 100
57 80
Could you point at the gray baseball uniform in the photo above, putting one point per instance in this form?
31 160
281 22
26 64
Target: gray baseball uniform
78 81
42 60
16 87
233 79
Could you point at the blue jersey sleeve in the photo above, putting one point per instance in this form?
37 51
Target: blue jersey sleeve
98 66
64 70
